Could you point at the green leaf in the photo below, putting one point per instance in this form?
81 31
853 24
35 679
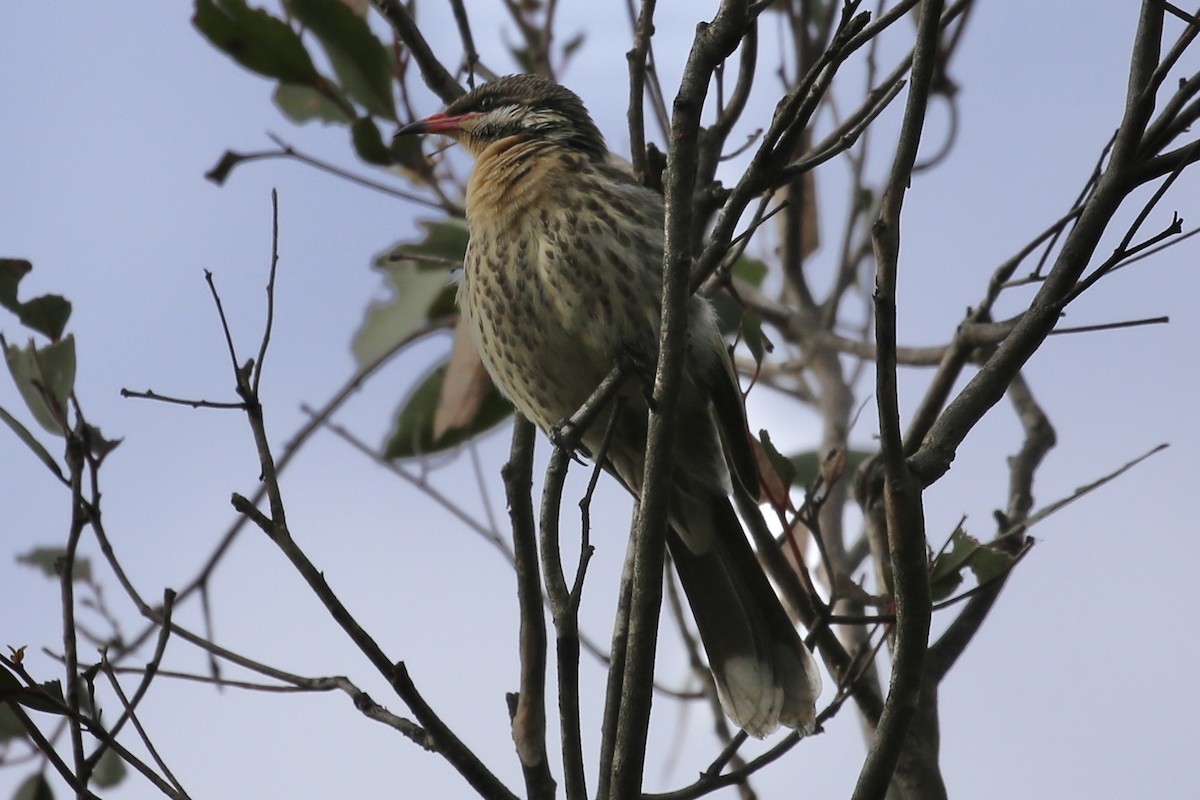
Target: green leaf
990 563
422 292
964 551
406 151
8 682
445 305
783 467
303 104
258 41
954 556
46 696
35 787
10 727
752 270
97 444
12 270
49 560
807 464
945 586
756 340
32 443
864 199
368 143
573 44
47 314
846 588
412 433
362 62
85 693
525 58
729 313
110 770
45 377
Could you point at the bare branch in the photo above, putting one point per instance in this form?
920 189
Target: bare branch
637 88
529 714
1039 439
713 43
988 385
902 494
150 394
148 675
436 76
128 712
470 54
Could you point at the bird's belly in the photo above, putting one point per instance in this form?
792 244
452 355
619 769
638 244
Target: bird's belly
547 343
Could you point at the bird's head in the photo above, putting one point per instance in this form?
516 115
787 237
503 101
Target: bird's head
526 106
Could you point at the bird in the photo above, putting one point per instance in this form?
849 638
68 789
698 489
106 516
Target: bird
562 279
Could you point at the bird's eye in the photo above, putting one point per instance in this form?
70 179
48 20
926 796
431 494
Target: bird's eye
487 103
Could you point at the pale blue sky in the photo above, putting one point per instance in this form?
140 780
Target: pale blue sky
1081 684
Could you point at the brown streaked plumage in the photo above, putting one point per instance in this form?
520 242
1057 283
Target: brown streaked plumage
562 276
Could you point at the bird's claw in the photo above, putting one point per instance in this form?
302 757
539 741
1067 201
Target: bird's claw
634 362
565 435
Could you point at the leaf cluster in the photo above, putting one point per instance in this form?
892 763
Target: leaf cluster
359 94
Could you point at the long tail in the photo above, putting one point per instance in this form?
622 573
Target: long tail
764 674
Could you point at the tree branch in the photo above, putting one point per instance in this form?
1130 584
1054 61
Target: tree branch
902 494
435 74
713 42
529 714
988 385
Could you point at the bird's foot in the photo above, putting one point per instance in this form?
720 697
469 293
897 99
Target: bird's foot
633 361
566 436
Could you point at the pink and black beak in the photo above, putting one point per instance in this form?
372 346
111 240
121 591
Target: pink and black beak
438 123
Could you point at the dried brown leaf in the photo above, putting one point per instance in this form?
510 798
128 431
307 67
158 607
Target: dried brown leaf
464 387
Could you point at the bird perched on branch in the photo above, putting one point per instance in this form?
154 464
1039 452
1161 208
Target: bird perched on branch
563 276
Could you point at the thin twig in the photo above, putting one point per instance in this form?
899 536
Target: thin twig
79 519
1112 326
212 288
291 448
148 674
988 385
489 532
128 712
266 337
150 394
